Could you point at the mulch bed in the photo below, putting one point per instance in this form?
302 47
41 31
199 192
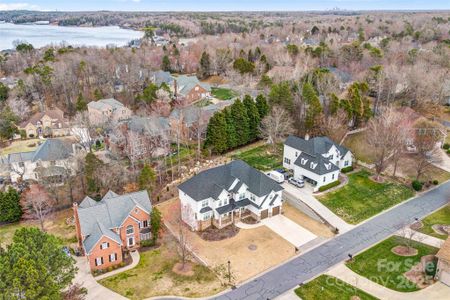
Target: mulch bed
416 225
441 229
249 220
417 276
214 234
188 269
404 251
154 247
379 180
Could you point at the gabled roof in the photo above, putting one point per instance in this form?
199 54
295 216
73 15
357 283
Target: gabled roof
160 77
50 150
315 163
55 114
314 146
98 218
103 104
212 182
186 83
149 125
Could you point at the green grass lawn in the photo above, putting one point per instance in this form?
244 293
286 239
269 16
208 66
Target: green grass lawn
153 276
263 158
382 266
20 146
222 93
441 216
363 198
328 287
358 145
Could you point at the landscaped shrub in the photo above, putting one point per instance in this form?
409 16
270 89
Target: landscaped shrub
446 146
430 268
147 243
347 169
448 151
329 186
435 182
416 185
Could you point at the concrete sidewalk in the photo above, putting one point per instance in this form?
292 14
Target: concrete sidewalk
135 257
306 196
420 237
289 230
437 291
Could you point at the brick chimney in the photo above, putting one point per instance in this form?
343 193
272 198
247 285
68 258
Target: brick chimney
77 226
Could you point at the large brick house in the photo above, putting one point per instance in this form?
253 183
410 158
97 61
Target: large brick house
107 110
188 89
107 228
48 123
226 194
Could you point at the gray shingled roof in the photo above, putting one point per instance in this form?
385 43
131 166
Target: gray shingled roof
186 83
160 77
106 104
210 183
110 213
150 125
53 149
314 146
318 160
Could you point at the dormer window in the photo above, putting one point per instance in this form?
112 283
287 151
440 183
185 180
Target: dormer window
303 161
313 165
328 166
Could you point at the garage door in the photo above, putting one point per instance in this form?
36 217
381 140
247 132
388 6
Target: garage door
445 278
275 210
264 214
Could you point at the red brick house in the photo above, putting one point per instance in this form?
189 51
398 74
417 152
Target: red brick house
188 89
106 228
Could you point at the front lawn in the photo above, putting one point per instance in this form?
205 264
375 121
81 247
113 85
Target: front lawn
407 169
20 146
363 198
153 276
222 93
329 287
382 266
263 158
441 217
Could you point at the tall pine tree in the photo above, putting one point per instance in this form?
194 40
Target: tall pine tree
232 138
241 122
314 108
253 117
261 104
216 133
280 94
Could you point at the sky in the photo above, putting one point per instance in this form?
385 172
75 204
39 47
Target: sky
224 5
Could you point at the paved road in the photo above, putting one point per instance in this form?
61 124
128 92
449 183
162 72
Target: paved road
317 261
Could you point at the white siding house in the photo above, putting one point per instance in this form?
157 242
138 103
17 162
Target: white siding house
317 160
225 194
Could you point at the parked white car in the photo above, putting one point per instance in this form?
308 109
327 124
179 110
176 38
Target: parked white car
296 182
277 176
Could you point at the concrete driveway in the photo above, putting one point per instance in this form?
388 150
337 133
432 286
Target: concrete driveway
289 230
95 290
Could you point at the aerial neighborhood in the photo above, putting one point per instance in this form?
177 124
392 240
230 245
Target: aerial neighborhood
224 155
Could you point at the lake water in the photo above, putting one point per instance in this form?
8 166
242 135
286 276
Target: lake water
42 35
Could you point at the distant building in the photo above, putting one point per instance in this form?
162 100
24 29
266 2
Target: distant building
53 158
10 82
107 110
188 89
47 124
106 228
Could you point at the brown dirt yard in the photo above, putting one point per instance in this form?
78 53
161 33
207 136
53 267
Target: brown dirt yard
245 263
306 222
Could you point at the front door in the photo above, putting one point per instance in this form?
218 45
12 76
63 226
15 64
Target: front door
264 214
130 241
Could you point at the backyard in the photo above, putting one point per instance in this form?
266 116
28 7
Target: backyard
363 198
54 224
155 276
262 157
223 93
20 146
440 217
328 287
381 265
359 147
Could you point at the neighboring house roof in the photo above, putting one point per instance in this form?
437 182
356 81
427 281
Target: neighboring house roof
160 77
50 150
150 125
444 252
98 218
55 114
191 114
343 76
186 83
212 182
105 104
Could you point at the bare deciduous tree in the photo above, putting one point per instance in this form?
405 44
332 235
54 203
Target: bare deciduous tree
426 137
276 125
37 204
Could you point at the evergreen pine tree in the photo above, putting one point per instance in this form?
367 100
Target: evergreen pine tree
263 107
216 133
314 108
232 138
205 65
241 122
146 178
280 94
10 209
253 117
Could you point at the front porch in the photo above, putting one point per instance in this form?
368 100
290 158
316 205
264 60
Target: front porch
231 217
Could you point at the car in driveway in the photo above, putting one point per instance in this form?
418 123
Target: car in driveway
296 182
277 176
